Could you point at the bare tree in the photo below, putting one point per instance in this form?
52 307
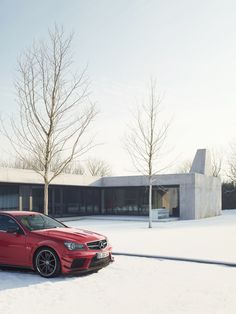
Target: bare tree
6 164
231 171
185 167
98 167
217 162
93 167
74 168
17 163
145 139
54 109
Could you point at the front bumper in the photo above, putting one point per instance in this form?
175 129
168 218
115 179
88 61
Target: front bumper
85 261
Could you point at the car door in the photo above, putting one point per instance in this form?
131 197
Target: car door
12 245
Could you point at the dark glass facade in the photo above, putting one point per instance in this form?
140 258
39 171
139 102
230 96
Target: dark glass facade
134 200
68 200
81 201
9 197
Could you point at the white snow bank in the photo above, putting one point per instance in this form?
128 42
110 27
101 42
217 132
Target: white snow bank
130 285
138 285
211 238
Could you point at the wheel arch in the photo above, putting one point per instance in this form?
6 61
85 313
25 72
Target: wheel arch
41 246
47 267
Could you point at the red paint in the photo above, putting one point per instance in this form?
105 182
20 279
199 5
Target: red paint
19 249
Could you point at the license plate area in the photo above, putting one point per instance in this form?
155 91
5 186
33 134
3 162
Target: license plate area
102 255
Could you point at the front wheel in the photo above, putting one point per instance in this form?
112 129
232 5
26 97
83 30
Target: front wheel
47 263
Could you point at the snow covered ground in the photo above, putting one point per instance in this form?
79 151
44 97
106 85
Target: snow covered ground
139 285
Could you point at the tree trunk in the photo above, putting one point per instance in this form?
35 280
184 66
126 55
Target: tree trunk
45 205
150 203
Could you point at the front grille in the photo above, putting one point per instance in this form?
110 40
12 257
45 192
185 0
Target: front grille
100 262
97 245
77 263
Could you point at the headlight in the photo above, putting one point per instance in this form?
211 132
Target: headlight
73 246
108 243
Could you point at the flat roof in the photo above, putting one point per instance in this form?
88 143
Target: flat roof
24 176
13 175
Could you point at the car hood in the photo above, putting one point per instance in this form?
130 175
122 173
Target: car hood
71 234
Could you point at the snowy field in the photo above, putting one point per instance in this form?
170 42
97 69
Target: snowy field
139 285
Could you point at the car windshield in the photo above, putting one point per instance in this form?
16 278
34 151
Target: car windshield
39 222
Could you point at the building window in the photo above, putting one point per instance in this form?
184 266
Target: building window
37 195
9 197
93 200
81 201
126 200
134 200
71 201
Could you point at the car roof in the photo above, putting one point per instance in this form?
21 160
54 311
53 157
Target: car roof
18 212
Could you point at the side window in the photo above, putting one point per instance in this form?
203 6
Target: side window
6 222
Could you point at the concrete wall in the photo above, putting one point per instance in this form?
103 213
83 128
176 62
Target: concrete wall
187 197
207 196
199 195
202 162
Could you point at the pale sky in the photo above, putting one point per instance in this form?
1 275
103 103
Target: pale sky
189 46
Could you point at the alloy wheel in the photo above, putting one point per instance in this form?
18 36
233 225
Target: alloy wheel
46 263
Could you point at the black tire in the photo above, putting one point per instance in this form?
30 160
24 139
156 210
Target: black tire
47 263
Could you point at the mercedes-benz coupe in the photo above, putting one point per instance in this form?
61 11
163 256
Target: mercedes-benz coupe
36 241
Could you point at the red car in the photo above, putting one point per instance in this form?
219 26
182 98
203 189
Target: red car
33 240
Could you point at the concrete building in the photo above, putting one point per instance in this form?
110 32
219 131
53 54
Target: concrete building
192 195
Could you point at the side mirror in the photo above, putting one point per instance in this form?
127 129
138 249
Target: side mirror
13 229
